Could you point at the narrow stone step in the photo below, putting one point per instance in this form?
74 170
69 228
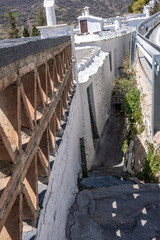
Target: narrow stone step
105 171
101 182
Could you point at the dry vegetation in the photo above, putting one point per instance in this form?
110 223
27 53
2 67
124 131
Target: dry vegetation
66 10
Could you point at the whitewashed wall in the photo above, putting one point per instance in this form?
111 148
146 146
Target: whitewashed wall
118 46
94 25
62 186
97 71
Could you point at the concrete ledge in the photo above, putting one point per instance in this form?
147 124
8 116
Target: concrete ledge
13 50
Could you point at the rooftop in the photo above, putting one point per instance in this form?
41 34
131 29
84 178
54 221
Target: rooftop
99 36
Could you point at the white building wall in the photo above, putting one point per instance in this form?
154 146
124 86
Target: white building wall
135 22
102 87
120 44
94 25
62 186
98 73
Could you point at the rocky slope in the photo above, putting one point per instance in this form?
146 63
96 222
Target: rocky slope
66 10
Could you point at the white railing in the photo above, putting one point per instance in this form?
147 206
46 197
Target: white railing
151 52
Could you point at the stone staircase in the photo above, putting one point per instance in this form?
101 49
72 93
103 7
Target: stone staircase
114 207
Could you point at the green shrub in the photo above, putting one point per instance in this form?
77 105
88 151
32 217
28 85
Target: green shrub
126 86
133 111
124 146
151 165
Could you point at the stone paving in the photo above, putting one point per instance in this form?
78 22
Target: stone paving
125 211
110 205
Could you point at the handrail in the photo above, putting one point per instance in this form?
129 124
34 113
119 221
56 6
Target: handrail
146 21
151 52
145 26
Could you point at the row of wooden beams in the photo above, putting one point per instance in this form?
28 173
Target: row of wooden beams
32 149
41 98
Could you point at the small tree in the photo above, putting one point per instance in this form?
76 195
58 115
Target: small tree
146 2
130 9
40 19
138 6
25 32
12 29
35 31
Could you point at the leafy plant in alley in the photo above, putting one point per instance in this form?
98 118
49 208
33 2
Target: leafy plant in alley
151 166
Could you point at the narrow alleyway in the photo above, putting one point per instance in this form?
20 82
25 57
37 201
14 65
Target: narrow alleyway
110 206
108 155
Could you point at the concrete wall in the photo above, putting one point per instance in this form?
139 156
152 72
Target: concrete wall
118 46
62 186
94 70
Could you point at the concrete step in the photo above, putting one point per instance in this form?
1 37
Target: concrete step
106 171
101 182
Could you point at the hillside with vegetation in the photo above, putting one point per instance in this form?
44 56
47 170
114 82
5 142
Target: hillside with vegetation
138 5
67 11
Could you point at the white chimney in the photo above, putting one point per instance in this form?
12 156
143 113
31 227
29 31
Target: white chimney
147 11
117 23
85 11
50 12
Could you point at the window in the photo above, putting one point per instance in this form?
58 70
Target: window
110 61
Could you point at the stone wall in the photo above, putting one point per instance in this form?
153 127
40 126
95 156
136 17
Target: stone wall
137 149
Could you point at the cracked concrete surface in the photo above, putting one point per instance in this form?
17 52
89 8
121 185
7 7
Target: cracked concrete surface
127 211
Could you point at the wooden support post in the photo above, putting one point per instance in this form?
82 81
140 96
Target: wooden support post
9 115
52 132
31 191
59 113
42 78
44 144
29 87
12 230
